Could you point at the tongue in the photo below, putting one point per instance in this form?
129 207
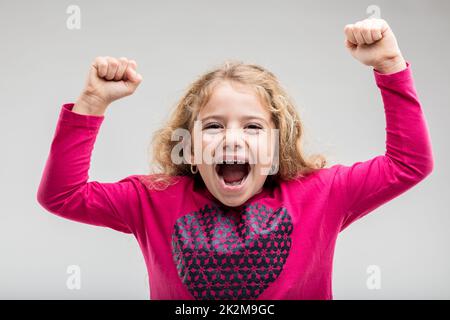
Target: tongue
233 172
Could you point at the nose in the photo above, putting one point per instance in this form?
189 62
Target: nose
234 141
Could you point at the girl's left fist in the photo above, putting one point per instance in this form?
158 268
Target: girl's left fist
372 42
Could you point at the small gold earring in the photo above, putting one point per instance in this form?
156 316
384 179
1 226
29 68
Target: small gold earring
196 169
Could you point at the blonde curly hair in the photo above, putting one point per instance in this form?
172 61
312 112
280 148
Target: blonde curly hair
292 160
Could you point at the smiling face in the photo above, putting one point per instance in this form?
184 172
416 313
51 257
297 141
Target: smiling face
237 143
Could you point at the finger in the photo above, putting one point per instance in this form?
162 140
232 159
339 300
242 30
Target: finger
366 32
113 64
123 64
133 64
101 65
383 25
349 34
133 78
357 33
376 33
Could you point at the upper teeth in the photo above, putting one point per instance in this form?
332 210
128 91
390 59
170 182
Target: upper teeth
233 161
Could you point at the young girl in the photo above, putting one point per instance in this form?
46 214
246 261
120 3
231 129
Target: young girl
226 228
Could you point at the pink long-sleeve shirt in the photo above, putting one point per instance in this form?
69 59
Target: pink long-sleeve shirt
278 245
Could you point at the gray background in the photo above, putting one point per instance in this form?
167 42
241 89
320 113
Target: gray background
44 64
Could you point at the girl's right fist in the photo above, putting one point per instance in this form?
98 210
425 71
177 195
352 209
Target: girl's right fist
109 79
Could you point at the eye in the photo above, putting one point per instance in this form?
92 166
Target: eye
213 125
253 128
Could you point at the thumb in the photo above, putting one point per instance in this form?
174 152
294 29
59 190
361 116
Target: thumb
350 45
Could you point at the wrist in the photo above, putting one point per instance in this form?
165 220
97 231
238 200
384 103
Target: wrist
90 105
391 65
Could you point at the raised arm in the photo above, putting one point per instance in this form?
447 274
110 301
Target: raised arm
408 159
64 188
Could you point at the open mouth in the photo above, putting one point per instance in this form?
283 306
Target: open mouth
233 173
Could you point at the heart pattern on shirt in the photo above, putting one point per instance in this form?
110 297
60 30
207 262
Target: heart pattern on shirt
228 254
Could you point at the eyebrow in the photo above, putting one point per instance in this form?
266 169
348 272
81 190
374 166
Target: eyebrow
243 117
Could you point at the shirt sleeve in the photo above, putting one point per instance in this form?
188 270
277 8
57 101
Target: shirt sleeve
408 159
64 188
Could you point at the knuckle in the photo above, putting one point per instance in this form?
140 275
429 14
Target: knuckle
99 62
112 62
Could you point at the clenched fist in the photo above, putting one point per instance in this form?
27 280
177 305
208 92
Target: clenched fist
373 43
109 79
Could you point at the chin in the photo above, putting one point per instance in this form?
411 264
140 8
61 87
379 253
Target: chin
233 202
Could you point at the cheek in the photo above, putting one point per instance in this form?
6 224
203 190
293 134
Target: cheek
209 144
262 148
207 140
